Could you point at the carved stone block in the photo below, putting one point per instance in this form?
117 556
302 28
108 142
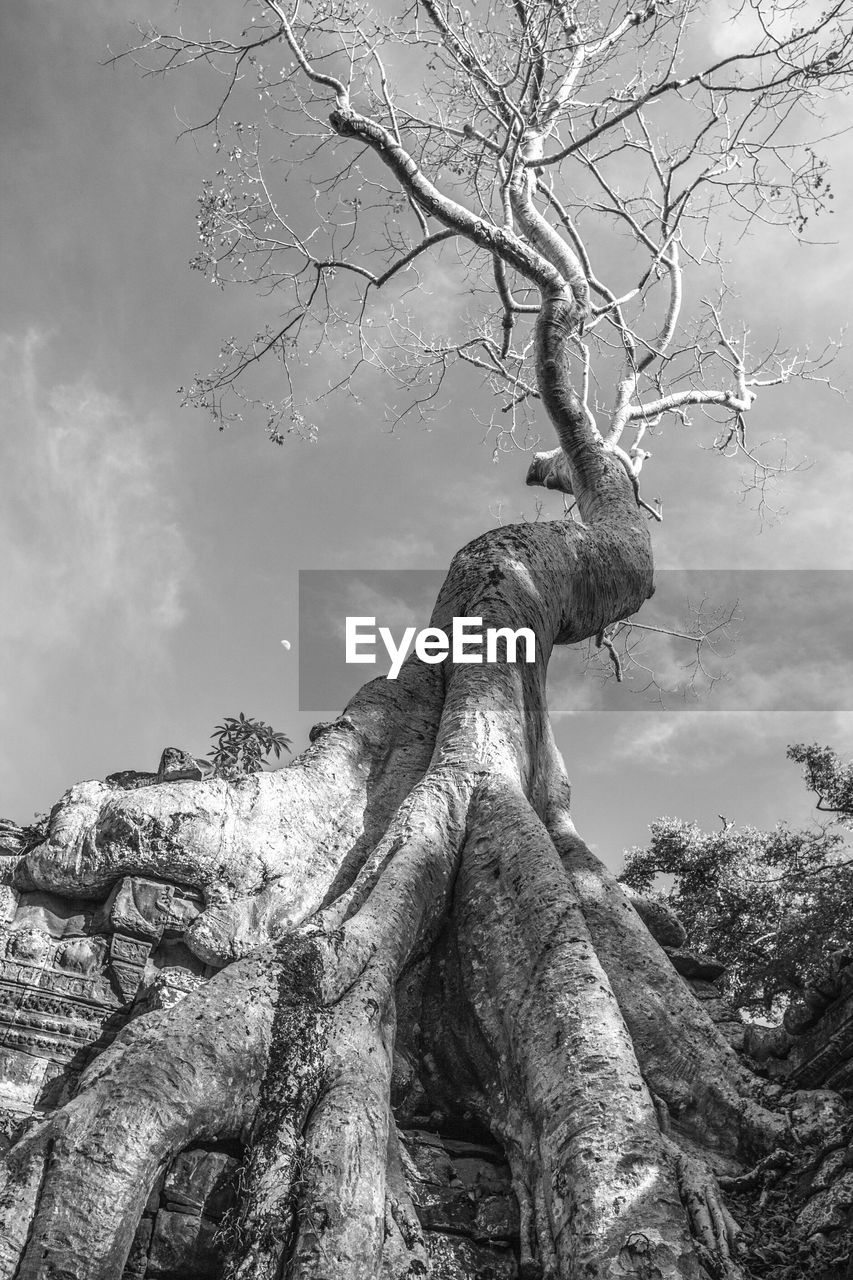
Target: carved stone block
9 899
177 765
660 920
57 917
81 955
68 967
497 1218
152 1204
169 987
815 1112
30 946
824 1056
128 979
201 1182
130 780
483 1175
129 950
17 977
137 1260
445 1208
695 964
455 1258
128 957
183 1248
150 908
461 1211
426 1162
21 1079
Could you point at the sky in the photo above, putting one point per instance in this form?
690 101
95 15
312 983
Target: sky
150 564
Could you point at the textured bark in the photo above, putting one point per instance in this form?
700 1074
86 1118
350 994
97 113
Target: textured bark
434 804
580 1124
193 1073
419 854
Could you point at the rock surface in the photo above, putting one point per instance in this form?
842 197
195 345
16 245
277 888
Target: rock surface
662 922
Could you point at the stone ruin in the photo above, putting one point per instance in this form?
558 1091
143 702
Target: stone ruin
73 972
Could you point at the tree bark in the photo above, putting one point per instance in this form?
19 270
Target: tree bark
420 850
430 820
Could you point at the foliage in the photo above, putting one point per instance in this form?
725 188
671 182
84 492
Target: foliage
771 905
828 777
505 153
243 745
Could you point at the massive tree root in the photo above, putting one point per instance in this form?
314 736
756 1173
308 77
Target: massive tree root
422 847
427 831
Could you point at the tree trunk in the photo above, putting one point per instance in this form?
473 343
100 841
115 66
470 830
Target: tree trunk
418 854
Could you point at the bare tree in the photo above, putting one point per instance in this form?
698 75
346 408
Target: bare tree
572 166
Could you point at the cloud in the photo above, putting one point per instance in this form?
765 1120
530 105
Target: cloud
691 741
406 550
396 598
93 555
694 743
660 741
570 698
814 531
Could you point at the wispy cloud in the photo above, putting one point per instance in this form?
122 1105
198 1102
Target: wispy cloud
659 741
694 742
411 550
93 554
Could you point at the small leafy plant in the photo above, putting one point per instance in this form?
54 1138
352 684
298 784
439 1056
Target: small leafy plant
243 745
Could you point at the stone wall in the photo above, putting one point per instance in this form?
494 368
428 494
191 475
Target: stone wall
180 1233
461 1191
72 972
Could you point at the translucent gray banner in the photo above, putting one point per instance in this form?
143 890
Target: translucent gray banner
714 640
